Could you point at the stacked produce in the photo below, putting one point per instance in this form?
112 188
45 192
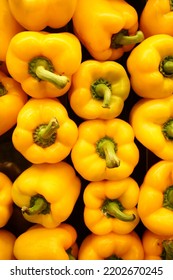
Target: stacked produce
85 144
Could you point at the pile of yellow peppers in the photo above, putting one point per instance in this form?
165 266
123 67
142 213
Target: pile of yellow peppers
86 104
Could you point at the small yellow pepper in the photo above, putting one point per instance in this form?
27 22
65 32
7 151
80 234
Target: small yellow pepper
157 247
111 246
110 206
150 65
99 89
155 204
37 15
40 243
44 62
46 193
42 131
7 240
105 149
152 122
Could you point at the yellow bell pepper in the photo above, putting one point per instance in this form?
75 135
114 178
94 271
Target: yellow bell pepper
110 206
12 99
150 65
155 204
105 149
111 246
160 15
106 28
44 62
8 28
37 15
42 131
157 247
40 243
46 193
99 89
152 122
7 240
6 202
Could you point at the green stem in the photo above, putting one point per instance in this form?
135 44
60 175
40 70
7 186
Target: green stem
101 90
70 255
168 249
3 90
171 5
167 129
166 66
38 205
168 198
122 38
113 257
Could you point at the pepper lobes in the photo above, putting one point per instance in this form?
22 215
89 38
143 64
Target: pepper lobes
7 240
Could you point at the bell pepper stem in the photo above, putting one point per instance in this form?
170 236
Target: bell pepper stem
167 129
70 255
47 131
168 67
104 91
168 198
40 204
3 90
168 249
122 39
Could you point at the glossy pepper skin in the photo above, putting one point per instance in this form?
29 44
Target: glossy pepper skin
7 31
110 206
42 131
150 65
115 27
160 14
6 202
10 93
37 15
99 89
152 122
105 149
155 206
41 243
7 240
111 246
46 193
157 247
44 62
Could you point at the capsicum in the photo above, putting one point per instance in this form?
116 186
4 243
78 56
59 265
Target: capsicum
44 62
46 193
7 240
157 247
152 122
99 89
110 206
107 29
37 15
10 93
42 131
41 243
155 204
150 65
105 149
111 246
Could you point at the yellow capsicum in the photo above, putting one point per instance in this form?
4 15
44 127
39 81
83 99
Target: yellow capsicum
111 246
99 89
42 131
46 193
37 15
12 99
6 202
7 240
41 243
150 65
105 149
106 28
155 204
44 62
110 206
152 122
157 247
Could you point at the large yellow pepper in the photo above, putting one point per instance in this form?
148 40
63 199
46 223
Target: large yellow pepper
42 131
105 149
106 28
40 243
37 15
110 206
99 89
150 65
6 202
152 122
155 204
157 247
44 62
12 99
7 240
111 246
